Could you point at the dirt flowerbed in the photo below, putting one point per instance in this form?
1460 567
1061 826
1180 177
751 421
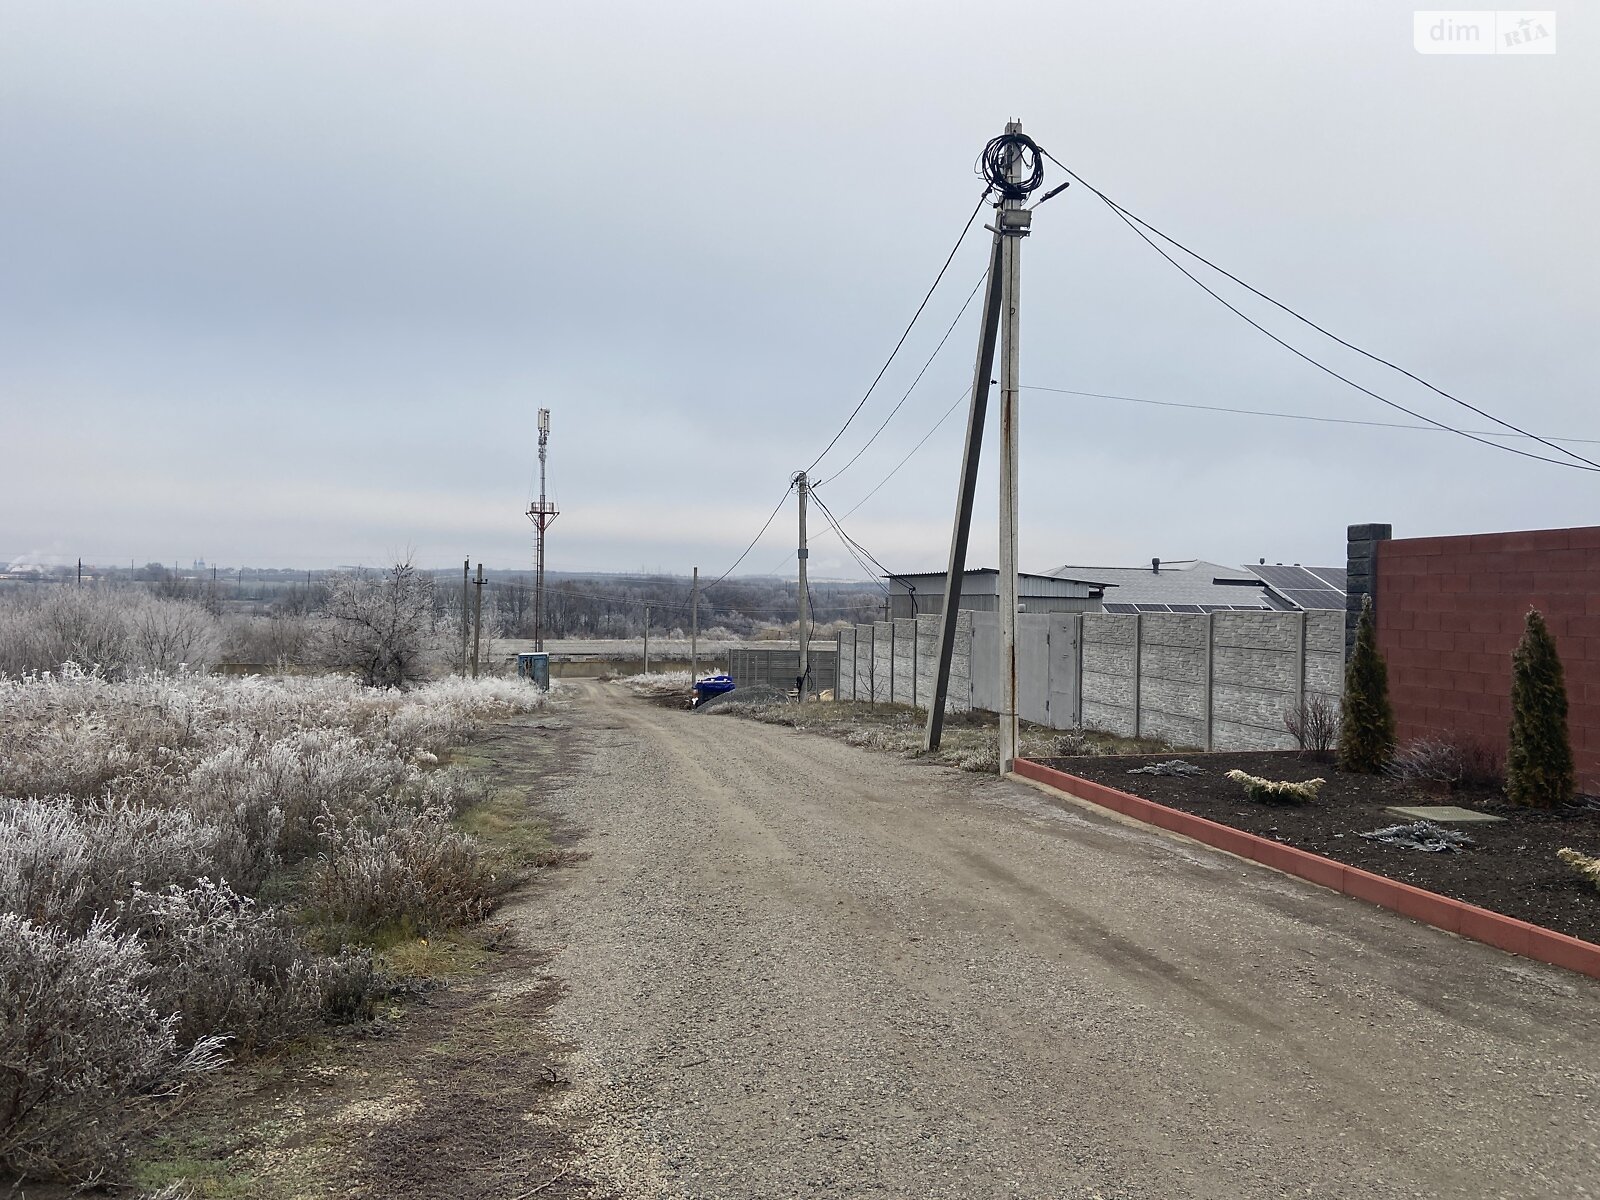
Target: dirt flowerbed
1511 866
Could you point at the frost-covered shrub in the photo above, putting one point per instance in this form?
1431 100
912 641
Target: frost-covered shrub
80 1044
1276 791
64 864
118 632
401 867
1586 868
658 684
225 966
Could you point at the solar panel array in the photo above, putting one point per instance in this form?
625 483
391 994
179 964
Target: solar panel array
1306 587
1125 609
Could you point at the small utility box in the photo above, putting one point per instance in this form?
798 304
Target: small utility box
535 668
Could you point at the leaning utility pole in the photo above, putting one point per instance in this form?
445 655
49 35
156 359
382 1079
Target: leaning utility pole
1003 167
543 514
694 626
801 487
477 619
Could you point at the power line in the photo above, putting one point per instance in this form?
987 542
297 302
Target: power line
895 470
1135 223
965 304
920 443
929 296
763 533
1287 416
855 547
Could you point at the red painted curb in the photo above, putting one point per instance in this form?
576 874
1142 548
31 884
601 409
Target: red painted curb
1456 916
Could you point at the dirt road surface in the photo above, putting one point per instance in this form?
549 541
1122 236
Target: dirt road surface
797 968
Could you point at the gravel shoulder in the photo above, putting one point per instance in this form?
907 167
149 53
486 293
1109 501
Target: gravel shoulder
794 967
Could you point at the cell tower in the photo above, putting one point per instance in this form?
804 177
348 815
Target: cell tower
543 514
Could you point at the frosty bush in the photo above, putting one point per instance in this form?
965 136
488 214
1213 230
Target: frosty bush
658 684
225 966
1585 867
402 868
64 865
80 1044
1276 791
159 803
119 633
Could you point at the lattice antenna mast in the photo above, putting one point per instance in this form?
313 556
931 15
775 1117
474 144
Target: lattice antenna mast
543 514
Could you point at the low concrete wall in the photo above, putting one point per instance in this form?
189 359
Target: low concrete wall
1218 681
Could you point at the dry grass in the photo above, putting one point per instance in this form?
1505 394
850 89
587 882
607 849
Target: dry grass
968 742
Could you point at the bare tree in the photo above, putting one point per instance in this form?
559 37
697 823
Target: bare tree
378 624
166 634
1314 725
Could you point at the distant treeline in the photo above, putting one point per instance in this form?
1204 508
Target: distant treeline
576 605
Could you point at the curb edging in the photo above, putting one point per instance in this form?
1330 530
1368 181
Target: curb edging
1430 908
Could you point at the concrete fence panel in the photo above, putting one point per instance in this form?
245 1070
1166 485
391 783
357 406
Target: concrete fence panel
905 661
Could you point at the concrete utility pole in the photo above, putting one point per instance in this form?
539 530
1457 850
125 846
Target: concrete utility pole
694 627
1011 224
466 575
801 488
543 514
1010 303
647 639
966 489
477 619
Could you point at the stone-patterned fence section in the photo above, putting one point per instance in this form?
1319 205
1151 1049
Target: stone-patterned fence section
1220 681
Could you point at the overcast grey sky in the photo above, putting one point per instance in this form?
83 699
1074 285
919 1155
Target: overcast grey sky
285 283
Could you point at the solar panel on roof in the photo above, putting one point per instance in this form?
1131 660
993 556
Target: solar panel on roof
1186 608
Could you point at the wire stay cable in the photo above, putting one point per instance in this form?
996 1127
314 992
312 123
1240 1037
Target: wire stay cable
967 303
1320 328
1324 367
895 470
1134 223
763 533
1287 416
846 538
965 229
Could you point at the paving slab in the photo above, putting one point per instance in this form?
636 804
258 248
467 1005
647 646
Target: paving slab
1445 814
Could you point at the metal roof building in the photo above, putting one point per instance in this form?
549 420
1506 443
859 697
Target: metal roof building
1197 586
923 593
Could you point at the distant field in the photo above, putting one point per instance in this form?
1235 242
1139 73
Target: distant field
633 647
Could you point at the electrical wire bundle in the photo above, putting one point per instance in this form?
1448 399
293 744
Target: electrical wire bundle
995 163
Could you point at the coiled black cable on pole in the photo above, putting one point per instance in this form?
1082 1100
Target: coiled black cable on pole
994 164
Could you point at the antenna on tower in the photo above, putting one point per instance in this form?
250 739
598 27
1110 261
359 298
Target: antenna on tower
543 514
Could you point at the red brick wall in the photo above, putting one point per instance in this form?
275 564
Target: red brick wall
1450 611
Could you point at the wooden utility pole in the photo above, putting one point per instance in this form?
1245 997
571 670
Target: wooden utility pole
647 639
801 488
466 574
694 626
477 619
1011 212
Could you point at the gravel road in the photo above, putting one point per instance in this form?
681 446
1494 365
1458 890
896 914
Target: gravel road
797 968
